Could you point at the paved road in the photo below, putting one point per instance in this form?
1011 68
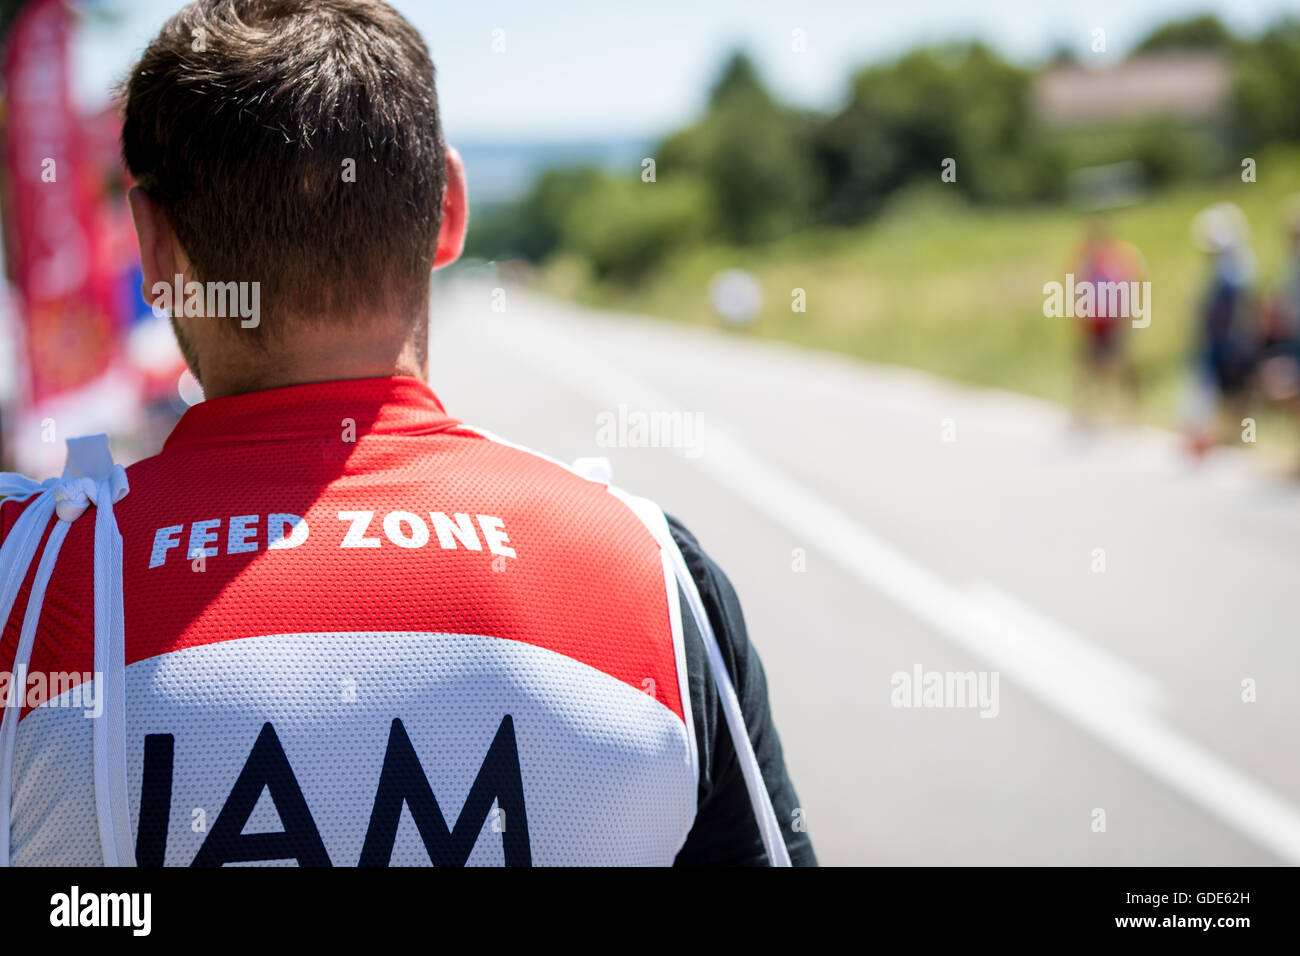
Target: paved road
878 523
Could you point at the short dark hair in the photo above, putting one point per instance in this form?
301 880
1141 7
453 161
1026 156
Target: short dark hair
240 119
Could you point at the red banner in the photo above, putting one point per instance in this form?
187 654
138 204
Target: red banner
68 318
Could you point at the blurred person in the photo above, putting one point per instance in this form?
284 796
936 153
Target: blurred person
1225 349
1280 339
1279 347
1104 364
737 297
331 590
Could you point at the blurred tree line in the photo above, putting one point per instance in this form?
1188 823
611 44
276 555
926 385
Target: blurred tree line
752 169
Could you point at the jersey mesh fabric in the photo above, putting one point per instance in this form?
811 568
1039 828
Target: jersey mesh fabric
572 576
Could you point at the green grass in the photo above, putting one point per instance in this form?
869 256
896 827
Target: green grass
957 290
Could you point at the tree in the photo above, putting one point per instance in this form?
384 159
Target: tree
1205 32
750 152
906 117
1267 86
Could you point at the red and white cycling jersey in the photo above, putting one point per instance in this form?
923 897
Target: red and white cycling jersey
357 631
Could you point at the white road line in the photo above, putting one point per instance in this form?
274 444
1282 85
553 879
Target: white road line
1127 725
1098 693
1033 649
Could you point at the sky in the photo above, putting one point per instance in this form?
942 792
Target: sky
572 69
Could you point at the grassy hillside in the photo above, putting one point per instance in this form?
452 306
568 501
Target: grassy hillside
957 290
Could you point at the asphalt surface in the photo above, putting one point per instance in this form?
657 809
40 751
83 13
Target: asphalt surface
1138 614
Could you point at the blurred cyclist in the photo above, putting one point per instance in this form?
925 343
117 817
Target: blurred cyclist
1104 363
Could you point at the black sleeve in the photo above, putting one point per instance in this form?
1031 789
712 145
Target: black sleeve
726 832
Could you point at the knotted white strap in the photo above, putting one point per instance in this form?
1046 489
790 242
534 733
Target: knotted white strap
769 828
90 477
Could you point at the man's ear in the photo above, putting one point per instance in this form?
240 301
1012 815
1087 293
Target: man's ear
161 257
455 213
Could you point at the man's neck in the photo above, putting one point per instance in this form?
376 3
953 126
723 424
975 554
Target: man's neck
315 358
